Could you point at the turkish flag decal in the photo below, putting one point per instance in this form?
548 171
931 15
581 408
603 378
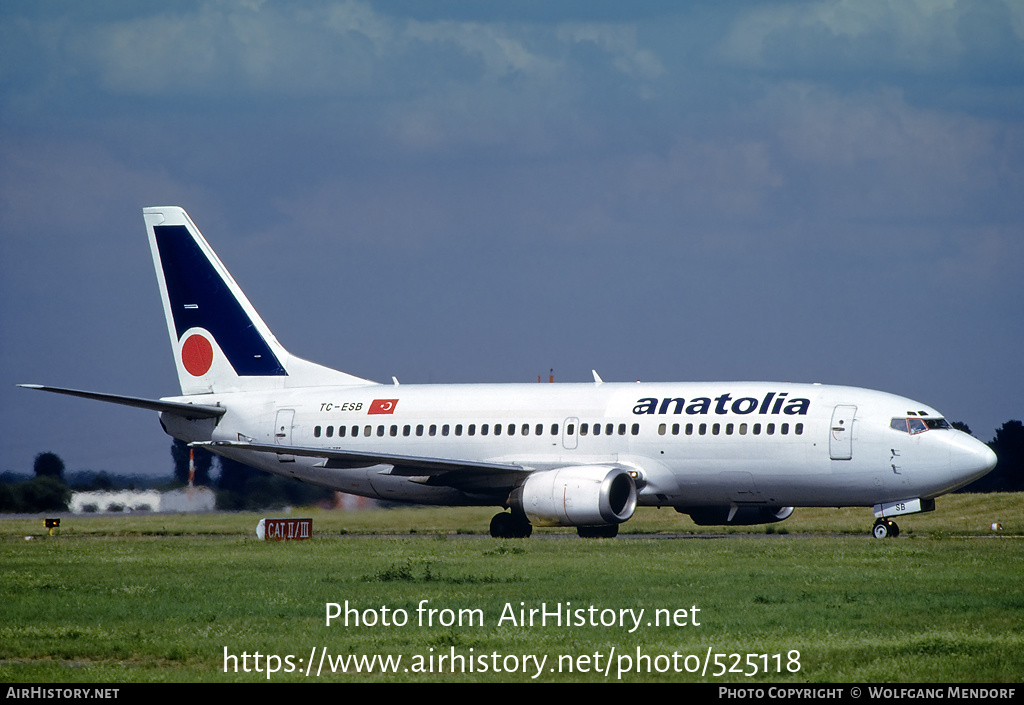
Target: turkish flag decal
382 406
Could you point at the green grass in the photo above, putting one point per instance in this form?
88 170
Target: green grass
956 515
159 598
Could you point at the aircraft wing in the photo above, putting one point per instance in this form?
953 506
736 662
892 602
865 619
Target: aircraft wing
460 474
189 411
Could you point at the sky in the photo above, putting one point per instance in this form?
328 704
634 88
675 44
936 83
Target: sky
475 191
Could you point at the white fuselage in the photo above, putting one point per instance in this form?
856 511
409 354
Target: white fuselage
691 444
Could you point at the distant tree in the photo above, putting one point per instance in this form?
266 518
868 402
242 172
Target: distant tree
49 465
203 462
961 426
242 487
8 498
102 482
1008 445
231 484
1008 474
43 494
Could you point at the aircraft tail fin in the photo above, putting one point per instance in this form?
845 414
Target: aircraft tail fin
219 341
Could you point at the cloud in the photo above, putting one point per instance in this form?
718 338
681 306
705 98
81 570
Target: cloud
51 187
930 37
333 49
620 43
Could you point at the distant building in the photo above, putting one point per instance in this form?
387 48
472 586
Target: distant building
189 500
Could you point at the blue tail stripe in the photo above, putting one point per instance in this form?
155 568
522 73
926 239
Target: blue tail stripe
193 281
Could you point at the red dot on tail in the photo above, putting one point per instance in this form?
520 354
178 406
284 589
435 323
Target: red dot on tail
197 355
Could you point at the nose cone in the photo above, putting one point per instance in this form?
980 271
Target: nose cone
970 458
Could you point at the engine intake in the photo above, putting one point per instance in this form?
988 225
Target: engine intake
582 495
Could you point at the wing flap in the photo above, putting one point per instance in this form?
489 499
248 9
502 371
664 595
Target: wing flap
450 472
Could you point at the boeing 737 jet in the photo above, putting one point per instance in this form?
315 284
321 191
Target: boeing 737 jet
579 455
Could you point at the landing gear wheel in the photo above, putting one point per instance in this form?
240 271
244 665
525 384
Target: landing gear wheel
885 529
509 526
609 531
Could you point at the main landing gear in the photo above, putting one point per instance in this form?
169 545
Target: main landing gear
509 525
885 529
608 531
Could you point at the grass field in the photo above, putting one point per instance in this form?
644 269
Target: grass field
176 598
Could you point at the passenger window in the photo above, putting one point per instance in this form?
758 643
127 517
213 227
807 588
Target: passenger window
380 431
497 429
715 429
799 429
622 429
583 429
757 429
484 429
458 429
472 429
316 432
770 430
702 429
662 429
368 431
433 429
554 429
597 429
570 429
406 430
445 430
330 431
635 429
728 429
394 430
785 429
689 429
526 429
743 429
675 429
539 430
511 429
419 429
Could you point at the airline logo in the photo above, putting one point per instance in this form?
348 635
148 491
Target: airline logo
197 355
772 403
382 406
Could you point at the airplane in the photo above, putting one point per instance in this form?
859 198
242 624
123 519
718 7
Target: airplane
581 455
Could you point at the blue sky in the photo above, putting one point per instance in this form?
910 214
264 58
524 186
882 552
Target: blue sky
477 191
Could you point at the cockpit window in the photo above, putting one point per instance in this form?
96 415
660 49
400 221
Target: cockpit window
914 425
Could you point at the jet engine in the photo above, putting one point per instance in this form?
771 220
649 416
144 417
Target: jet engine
583 495
734 515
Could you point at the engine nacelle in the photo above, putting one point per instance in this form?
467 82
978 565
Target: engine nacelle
583 495
733 515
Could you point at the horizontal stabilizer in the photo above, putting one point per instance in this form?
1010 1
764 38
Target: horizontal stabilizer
178 408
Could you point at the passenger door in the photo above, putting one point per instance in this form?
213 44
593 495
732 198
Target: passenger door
840 442
283 432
